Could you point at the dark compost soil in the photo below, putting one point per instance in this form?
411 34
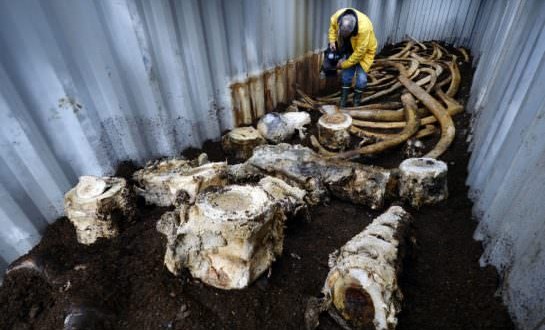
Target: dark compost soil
122 284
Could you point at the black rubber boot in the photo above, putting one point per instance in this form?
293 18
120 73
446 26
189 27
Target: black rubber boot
345 90
357 97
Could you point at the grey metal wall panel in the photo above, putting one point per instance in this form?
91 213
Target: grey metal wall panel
506 171
450 21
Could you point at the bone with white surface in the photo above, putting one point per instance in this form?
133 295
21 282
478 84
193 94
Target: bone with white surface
302 167
362 283
333 130
232 234
93 204
241 141
279 127
162 182
423 181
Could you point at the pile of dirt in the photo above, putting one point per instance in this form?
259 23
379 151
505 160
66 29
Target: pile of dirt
122 283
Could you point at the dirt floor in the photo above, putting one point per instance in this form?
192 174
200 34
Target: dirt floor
122 283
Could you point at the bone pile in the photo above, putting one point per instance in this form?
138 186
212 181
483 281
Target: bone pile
226 222
425 77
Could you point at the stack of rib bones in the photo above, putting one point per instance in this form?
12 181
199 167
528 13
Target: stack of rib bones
420 81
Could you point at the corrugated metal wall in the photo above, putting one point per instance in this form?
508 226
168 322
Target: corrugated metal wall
507 167
85 84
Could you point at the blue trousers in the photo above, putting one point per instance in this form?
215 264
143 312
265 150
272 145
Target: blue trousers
356 70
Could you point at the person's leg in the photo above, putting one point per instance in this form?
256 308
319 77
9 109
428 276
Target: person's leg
348 74
346 80
361 82
361 77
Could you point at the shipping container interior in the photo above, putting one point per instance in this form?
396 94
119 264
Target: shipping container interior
87 84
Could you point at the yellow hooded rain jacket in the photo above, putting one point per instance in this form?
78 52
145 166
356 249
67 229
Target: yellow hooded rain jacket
364 43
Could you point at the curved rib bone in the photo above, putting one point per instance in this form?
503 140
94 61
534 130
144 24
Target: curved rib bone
447 125
377 106
378 115
409 73
371 77
379 87
321 150
405 49
427 131
417 42
443 50
361 133
381 125
381 115
382 80
414 64
410 129
433 78
464 54
436 53
453 108
456 77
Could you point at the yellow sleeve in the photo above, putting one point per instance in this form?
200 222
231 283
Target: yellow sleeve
359 51
332 35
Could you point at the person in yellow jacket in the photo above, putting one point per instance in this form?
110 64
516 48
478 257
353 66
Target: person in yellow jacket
351 34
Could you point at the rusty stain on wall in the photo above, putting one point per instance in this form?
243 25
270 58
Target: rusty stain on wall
264 92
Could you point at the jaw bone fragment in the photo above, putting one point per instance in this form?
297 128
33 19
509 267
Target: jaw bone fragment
279 127
232 234
423 181
300 166
241 141
163 182
93 203
362 282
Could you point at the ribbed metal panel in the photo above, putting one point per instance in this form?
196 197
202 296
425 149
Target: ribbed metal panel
507 167
450 21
